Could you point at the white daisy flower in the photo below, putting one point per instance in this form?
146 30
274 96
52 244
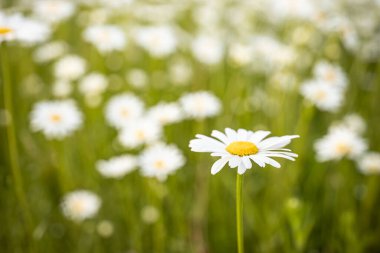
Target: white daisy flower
338 143
80 205
53 10
49 51
26 30
62 88
105 38
123 109
369 163
355 122
322 95
330 74
117 167
166 113
180 72
208 49
139 132
56 119
161 160
70 67
200 105
238 148
159 41
93 84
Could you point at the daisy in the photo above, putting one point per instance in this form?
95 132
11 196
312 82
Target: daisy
93 84
80 205
239 148
62 88
53 10
208 49
330 74
123 109
369 163
56 119
338 143
117 167
166 113
140 131
8 26
200 105
159 41
322 95
49 51
161 160
105 38
70 67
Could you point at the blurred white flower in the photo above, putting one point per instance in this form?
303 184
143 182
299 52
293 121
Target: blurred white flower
166 113
322 95
49 51
180 72
56 119
80 205
338 143
200 105
330 74
241 54
369 163
238 148
137 78
208 49
62 88
93 84
117 167
140 131
122 110
161 160
105 38
105 228
53 10
159 41
25 30
150 214
69 67
355 123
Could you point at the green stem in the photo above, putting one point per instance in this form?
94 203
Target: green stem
12 141
239 213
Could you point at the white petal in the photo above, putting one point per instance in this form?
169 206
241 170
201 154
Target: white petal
241 169
247 162
234 161
242 134
221 136
258 136
218 165
257 160
271 161
231 134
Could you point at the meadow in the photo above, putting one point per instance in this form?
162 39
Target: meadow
100 100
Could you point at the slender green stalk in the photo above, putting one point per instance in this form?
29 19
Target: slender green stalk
239 213
12 141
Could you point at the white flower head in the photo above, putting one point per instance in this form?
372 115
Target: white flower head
117 167
123 109
159 41
62 88
93 84
56 119
161 160
330 74
105 38
369 163
166 113
80 205
139 132
355 122
53 10
239 148
200 105
49 51
70 67
25 30
338 143
322 95
208 49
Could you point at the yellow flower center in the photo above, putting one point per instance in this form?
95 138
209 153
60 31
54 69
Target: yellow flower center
56 118
242 148
5 30
159 164
343 148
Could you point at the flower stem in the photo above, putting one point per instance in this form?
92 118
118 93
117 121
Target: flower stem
12 141
239 213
